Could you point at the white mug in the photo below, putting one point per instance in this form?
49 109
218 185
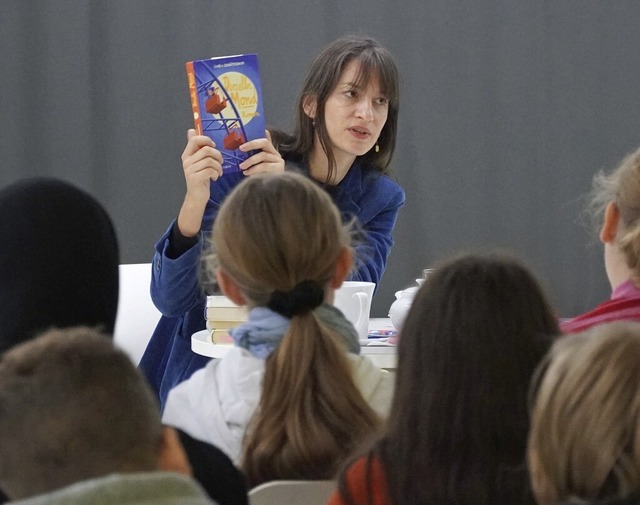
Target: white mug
353 298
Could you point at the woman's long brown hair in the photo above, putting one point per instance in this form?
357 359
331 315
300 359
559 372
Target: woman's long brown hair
322 78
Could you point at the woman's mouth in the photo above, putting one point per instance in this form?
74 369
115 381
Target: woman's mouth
360 133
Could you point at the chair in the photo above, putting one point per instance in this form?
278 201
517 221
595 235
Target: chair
137 316
292 492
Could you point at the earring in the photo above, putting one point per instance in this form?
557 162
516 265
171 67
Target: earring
313 123
377 148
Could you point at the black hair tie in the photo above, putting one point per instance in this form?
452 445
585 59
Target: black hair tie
304 297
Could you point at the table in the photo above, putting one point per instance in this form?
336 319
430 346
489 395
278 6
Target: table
382 354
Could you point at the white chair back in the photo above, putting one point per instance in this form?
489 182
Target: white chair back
292 492
137 316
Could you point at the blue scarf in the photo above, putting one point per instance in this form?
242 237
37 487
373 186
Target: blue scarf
263 331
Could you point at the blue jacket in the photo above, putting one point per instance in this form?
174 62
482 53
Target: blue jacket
374 199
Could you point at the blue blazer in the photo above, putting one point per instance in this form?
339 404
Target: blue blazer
176 288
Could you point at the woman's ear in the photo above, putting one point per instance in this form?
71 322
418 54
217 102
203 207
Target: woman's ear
610 225
343 267
309 104
229 287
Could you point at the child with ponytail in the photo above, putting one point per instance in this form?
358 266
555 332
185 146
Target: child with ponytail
292 399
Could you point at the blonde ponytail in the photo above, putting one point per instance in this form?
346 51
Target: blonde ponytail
280 239
311 415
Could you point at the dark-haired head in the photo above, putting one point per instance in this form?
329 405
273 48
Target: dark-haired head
58 260
473 337
322 79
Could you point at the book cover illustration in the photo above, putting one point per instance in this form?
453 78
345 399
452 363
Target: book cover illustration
226 98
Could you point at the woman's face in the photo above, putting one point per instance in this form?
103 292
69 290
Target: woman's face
355 115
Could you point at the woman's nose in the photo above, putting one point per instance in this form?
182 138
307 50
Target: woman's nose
364 110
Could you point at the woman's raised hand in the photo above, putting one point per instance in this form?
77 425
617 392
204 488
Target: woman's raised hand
267 160
201 163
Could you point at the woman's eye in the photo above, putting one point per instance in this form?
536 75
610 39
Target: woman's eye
381 101
350 93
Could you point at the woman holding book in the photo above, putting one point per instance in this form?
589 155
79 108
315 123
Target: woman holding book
344 139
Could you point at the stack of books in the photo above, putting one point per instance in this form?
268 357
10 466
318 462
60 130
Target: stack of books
221 315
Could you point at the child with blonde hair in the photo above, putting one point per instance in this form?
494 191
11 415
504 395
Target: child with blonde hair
288 401
615 203
584 442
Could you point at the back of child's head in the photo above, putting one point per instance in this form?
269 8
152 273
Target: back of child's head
585 438
72 408
58 261
280 239
622 187
274 232
475 332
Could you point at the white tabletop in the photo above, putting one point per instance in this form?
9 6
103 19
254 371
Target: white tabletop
377 350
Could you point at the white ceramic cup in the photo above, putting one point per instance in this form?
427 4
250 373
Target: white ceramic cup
353 298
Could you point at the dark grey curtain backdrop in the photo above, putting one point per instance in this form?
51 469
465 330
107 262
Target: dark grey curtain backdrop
508 109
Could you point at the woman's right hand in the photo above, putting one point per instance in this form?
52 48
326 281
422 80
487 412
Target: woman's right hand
201 163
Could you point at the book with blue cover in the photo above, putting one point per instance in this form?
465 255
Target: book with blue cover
226 98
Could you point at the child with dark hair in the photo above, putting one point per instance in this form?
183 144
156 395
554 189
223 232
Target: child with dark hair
58 261
458 424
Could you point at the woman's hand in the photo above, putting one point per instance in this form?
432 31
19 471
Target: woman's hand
201 163
268 160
